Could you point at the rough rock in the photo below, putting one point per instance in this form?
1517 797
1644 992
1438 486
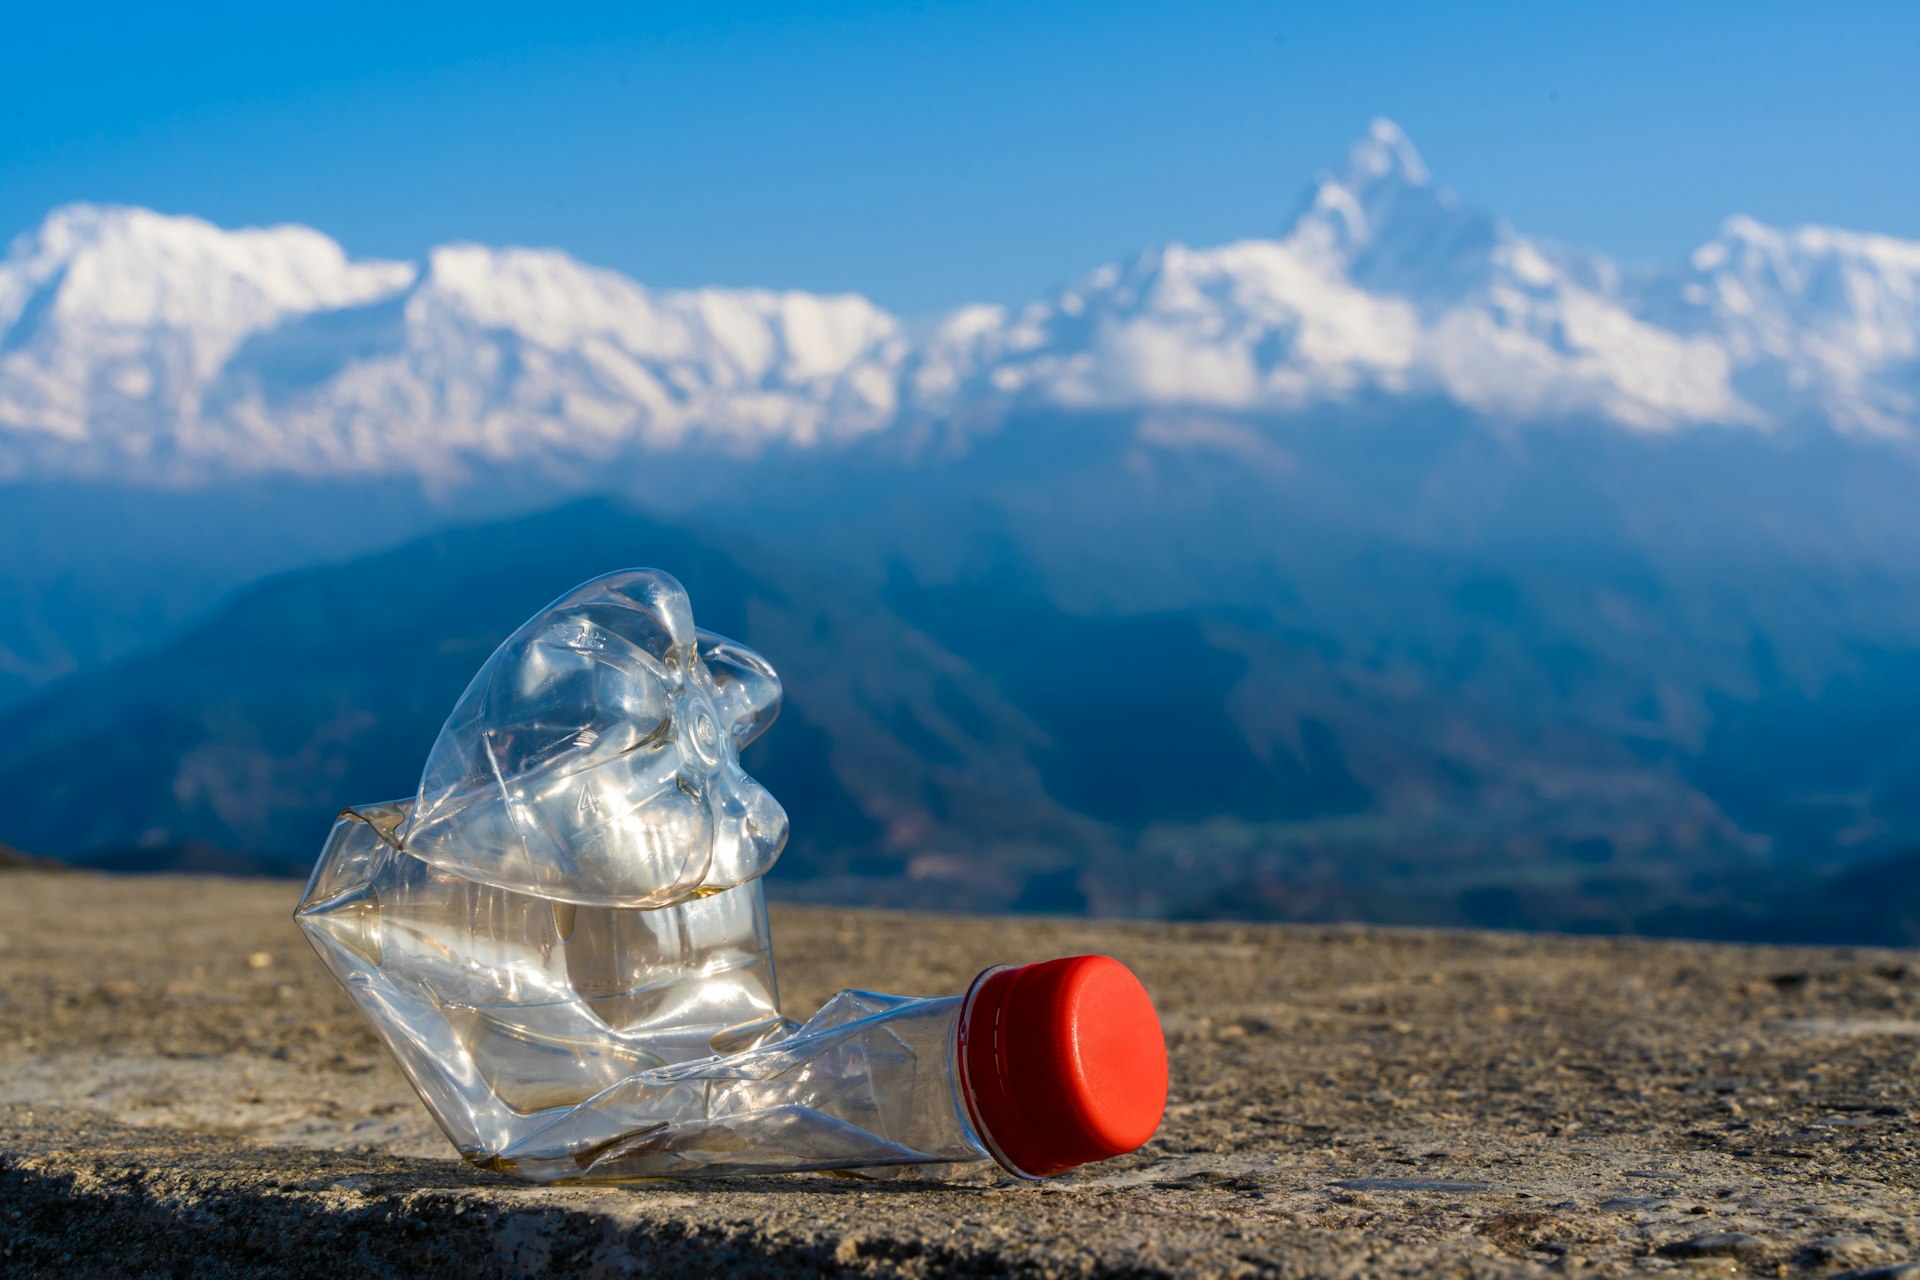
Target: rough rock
183 1091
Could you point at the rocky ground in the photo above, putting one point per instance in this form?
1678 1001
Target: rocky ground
183 1092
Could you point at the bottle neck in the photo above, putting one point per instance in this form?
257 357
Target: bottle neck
971 1061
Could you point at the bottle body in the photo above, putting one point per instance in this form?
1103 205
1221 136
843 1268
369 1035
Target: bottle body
568 1042
563 941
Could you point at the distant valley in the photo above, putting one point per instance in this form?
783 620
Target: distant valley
1344 707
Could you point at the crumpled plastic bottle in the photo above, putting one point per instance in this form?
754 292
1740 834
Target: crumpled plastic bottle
563 940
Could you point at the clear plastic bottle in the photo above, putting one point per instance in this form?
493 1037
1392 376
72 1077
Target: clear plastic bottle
574 968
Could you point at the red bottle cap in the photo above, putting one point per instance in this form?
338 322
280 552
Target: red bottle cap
1062 1063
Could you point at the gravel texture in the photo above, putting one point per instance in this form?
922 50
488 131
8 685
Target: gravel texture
183 1092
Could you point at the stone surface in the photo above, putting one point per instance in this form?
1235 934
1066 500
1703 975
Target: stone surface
1717 1244
184 1092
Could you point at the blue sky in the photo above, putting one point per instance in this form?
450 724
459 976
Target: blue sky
929 154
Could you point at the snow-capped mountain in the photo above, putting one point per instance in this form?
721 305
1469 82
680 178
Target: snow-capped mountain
1384 282
139 345
1825 320
134 340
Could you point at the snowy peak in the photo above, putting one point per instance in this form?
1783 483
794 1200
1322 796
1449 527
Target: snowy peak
1860 290
1381 172
1822 320
1381 221
554 301
166 346
142 345
1385 157
1347 209
113 321
133 267
1385 283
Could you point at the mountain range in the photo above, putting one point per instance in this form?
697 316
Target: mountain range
136 344
969 743
1400 567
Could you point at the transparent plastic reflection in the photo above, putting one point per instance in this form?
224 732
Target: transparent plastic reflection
558 1041
595 758
563 938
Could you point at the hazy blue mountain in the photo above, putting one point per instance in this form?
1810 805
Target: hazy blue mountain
234 743
12 859
92 572
1359 702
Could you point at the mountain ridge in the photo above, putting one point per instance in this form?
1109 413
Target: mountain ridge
1204 763
135 344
